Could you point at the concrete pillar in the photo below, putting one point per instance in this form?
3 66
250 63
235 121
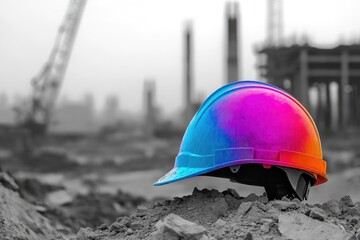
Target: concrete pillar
232 62
357 103
354 113
320 113
188 72
301 82
328 107
150 110
343 95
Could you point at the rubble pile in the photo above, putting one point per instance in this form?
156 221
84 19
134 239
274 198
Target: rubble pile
205 214
26 211
20 219
209 214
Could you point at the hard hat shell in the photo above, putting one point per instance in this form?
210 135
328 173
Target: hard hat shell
249 122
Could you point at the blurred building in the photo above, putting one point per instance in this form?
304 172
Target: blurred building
74 118
325 80
298 68
150 109
6 112
111 111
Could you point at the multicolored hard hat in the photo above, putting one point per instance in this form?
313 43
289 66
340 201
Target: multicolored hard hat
253 133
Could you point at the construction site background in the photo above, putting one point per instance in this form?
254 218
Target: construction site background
93 165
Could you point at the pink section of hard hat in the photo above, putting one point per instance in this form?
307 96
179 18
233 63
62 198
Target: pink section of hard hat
268 121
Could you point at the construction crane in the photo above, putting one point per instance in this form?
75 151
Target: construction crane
35 116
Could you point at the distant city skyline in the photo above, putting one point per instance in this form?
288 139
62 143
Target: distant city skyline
121 43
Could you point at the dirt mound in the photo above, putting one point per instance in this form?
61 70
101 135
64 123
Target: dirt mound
95 209
77 211
30 209
20 219
209 214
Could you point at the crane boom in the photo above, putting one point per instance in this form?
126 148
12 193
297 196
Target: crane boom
46 84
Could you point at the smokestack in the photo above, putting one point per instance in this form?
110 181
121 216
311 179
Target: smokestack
232 59
188 71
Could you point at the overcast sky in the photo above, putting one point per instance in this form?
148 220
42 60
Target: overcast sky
120 43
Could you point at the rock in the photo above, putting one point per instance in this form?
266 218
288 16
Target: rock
205 237
332 206
175 227
266 225
220 207
220 223
297 226
58 198
346 200
265 228
284 205
353 221
266 220
135 225
129 232
248 236
117 227
8 182
353 212
244 208
346 203
262 206
317 213
103 227
85 234
40 209
357 235
231 192
252 197
254 213
232 202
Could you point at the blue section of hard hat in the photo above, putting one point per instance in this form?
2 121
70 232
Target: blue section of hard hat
195 146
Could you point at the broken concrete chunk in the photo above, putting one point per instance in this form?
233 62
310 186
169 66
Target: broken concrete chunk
332 206
265 228
233 202
220 207
103 227
297 226
353 212
129 231
248 236
244 208
346 203
220 223
252 197
175 227
283 205
346 200
232 192
317 213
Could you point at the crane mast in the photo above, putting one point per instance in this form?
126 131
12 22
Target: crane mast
46 84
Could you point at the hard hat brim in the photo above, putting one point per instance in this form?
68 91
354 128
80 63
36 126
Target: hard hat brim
190 165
